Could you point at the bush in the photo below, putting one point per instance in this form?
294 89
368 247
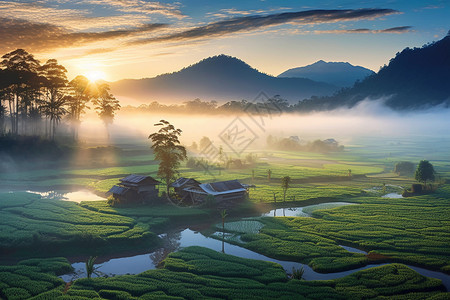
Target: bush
404 168
298 273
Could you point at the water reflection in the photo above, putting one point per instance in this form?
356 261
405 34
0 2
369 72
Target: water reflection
78 196
181 239
171 243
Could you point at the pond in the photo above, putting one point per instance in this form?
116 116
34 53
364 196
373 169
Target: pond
392 196
77 196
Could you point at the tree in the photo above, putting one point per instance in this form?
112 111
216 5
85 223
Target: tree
19 83
403 168
425 172
77 102
168 151
90 267
106 104
285 181
223 215
204 143
55 89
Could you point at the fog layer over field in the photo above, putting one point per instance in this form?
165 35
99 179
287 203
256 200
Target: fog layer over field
367 119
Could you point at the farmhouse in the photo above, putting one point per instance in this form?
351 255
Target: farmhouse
221 191
135 188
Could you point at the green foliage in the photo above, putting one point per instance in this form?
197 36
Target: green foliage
90 269
404 168
32 277
168 151
425 172
298 273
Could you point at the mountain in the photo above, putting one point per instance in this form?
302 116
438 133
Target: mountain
340 74
414 79
220 78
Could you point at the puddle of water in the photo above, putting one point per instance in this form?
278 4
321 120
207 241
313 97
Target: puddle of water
304 211
392 196
78 196
140 263
286 212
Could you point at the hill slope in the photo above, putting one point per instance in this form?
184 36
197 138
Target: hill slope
415 79
341 74
220 78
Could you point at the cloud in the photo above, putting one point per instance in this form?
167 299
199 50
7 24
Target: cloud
248 23
77 19
140 6
227 12
33 36
398 30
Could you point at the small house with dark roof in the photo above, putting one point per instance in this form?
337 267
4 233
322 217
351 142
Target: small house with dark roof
229 190
182 184
135 189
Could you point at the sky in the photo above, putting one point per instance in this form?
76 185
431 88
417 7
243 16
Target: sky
117 39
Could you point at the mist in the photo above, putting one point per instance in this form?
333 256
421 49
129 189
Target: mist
370 118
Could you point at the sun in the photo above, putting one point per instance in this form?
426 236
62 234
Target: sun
95 75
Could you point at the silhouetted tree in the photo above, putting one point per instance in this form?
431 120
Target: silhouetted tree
168 151
77 102
19 83
424 172
55 89
204 143
285 181
223 215
106 104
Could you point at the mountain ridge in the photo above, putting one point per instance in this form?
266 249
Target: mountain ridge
220 78
342 74
416 78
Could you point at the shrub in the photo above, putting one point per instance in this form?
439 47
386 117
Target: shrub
298 273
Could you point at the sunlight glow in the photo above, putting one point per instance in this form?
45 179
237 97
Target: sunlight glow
95 75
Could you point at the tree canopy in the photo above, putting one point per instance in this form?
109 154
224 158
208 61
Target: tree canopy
425 172
169 151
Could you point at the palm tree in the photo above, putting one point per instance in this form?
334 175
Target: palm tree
90 268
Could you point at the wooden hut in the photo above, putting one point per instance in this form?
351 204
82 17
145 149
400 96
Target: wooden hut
136 188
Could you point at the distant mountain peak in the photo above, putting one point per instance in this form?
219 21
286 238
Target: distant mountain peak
416 78
221 78
341 74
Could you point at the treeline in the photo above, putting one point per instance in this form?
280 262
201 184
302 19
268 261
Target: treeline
293 143
274 105
35 98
